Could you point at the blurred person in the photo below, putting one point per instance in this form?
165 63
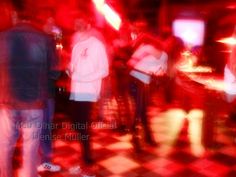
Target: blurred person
174 46
190 97
27 62
87 68
49 110
147 61
230 82
122 52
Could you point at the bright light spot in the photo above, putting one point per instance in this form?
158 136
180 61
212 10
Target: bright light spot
186 53
189 35
111 16
175 120
195 118
190 31
208 82
188 62
59 46
194 69
99 4
229 41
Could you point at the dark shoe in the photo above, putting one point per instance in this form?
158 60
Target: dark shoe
150 141
89 161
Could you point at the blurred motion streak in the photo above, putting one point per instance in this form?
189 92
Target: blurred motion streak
228 40
175 120
110 15
99 5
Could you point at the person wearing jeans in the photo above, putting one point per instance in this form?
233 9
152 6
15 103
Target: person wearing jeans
27 62
46 143
46 140
11 123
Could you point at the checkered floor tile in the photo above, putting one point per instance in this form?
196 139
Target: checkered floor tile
180 152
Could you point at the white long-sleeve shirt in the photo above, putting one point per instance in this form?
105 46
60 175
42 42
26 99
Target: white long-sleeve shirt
150 60
89 65
229 81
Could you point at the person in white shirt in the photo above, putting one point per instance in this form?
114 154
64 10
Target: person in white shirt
87 68
148 60
230 83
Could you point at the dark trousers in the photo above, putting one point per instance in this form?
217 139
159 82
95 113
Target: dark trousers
81 115
169 88
140 93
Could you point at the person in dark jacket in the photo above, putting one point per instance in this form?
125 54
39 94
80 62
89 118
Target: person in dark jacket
27 62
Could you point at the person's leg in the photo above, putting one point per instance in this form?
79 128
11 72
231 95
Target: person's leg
8 138
86 108
195 119
81 112
46 138
144 100
135 127
31 131
46 143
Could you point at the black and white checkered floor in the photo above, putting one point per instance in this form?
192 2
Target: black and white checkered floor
179 152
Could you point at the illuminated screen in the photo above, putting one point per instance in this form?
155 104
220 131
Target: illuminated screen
191 31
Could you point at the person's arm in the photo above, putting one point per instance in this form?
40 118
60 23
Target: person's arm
142 52
138 54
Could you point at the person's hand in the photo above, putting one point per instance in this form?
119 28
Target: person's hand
68 72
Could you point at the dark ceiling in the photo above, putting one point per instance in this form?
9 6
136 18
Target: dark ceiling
151 9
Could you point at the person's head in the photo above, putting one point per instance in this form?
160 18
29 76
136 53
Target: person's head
82 25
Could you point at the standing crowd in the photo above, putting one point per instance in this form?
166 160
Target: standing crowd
30 65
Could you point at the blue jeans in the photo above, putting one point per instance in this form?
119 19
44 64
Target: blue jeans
11 123
46 140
